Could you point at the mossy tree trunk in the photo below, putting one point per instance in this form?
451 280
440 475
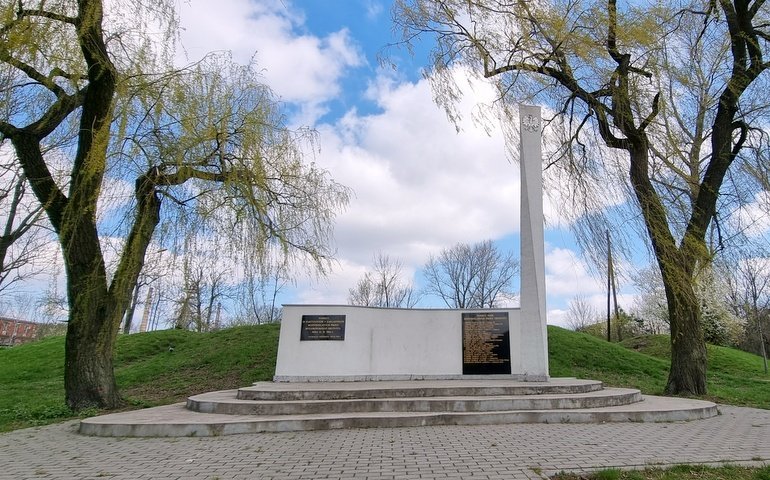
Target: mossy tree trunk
95 305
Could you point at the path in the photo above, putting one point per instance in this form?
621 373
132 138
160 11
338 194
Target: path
523 451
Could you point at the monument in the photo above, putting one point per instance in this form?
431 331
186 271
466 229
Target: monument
351 343
484 366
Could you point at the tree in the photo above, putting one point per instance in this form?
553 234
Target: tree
205 287
650 303
749 291
258 293
21 237
719 324
384 286
602 66
581 314
208 141
471 276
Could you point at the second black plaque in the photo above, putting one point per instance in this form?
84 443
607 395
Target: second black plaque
486 343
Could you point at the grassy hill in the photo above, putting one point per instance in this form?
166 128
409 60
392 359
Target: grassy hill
734 376
152 368
166 366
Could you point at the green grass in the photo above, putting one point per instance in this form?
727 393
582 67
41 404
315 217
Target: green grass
151 369
680 472
581 355
734 377
32 384
167 366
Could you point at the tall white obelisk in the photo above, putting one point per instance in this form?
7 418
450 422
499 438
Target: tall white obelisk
533 312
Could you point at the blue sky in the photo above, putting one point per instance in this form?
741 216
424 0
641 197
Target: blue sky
419 186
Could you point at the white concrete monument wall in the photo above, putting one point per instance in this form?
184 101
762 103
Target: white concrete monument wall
391 344
352 343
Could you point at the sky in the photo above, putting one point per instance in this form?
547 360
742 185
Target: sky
418 184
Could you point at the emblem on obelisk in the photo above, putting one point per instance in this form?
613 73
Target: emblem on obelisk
531 123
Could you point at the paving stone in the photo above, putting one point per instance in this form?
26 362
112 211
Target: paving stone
519 451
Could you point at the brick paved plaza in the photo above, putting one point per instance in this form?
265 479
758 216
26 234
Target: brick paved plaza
523 451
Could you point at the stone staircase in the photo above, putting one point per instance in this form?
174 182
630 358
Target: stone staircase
280 407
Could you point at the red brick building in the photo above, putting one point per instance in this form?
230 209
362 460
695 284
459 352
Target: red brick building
14 332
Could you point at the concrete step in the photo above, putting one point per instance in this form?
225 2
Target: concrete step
225 402
290 391
178 421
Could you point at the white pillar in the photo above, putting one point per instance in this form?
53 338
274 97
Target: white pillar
533 312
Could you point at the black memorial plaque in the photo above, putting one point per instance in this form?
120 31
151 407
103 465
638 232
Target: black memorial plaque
322 327
486 344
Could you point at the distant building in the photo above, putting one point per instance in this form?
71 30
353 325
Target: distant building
14 332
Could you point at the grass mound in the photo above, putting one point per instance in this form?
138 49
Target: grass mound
167 366
151 368
573 354
734 376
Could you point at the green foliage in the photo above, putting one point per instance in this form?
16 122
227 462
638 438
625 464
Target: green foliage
624 325
610 474
32 385
181 363
211 138
679 472
762 474
633 76
714 328
598 329
148 371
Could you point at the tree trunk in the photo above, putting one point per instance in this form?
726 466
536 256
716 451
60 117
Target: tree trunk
688 347
95 309
94 319
89 380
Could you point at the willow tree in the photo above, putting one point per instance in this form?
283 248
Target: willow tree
668 89
208 141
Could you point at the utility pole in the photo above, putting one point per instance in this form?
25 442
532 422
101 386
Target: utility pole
612 288
609 285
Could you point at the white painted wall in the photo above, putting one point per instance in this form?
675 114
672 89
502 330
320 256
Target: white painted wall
390 344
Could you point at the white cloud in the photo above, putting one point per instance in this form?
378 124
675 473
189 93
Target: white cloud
557 317
373 9
567 275
332 289
419 186
301 68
